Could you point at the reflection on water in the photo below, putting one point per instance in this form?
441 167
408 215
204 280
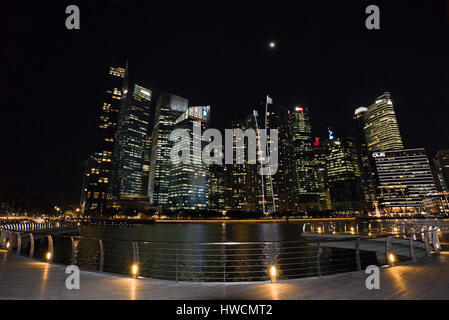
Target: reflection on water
189 252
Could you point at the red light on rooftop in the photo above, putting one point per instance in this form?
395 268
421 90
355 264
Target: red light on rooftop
316 143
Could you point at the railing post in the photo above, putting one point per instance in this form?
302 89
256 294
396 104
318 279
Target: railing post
31 245
3 239
224 265
72 240
272 253
412 247
436 240
318 258
100 242
135 267
19 242
135 252
388 249
426 243
357 254
273 261
176 261
50 247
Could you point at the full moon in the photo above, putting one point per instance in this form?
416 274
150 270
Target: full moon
272 44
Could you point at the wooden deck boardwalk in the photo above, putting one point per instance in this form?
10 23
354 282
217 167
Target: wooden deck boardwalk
22 278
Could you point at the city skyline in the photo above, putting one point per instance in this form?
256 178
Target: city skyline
324 59
371 174
255 153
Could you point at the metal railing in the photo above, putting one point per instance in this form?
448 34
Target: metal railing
226 261
34 226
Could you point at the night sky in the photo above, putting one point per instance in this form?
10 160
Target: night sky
214 53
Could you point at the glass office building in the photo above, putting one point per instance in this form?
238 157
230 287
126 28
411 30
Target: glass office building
343 175
189 182
129 152
405 179
305 166
169 108
97 180
381 125
365 162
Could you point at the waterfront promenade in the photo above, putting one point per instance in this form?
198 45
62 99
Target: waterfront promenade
24 278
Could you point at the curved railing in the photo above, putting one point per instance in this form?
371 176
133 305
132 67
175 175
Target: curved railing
30 226
227 261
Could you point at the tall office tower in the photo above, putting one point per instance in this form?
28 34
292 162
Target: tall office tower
438 173
381 126
320 153
97 183
405 179
251 192
217 185
304 160
147 160
228 200
130 147
365 162
245 185
169 108
283 181
343 175
189 182
275 192
443 159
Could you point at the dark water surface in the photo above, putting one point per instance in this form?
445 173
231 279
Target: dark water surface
189 252
230 231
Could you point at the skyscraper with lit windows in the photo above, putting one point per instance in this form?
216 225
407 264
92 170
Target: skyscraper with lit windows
367 168
169 108
306 176
343 175
283 181
130 147
96 188
405 179
443 161
189 182
381 125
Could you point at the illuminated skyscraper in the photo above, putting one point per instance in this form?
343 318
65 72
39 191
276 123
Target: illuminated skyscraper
189 182
304 160
96 189
284 182
217 183
405 179
169 108
245 183
147 159
252 191
129 152
320 153
443 161
381 125
365 162
343 175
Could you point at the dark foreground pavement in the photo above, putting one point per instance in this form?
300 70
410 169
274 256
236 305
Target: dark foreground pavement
23 278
